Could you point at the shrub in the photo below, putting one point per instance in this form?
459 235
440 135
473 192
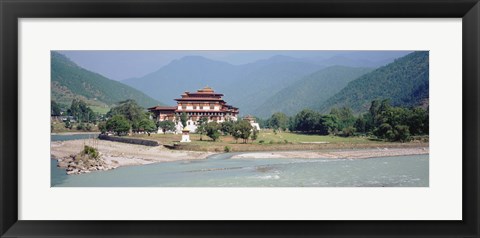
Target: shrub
261 141
227 149
102 126
80 126
91 152
348 131
68 124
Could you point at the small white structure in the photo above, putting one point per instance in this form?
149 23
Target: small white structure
185 135
252 122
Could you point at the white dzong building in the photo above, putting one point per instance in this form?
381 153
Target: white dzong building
203 103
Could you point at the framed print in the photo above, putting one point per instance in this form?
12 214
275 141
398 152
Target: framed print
227 118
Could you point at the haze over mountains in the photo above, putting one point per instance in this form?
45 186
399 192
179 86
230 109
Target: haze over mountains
310 91
248 86
69 81
283 83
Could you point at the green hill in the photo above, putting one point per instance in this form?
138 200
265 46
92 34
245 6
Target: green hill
69 81
405 82
310 91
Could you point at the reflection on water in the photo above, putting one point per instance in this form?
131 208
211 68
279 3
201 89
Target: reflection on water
221 171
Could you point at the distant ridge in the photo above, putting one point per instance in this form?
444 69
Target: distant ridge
69 81
405 82
310 91
244 86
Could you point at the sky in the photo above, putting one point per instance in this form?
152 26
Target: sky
124 64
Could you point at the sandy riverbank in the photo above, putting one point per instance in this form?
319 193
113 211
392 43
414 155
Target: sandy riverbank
336 154
122 154
115 154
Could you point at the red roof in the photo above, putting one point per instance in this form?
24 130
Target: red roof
162 108
205 94
198 99
206 111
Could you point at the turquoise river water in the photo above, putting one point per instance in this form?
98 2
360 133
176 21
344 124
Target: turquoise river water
222 171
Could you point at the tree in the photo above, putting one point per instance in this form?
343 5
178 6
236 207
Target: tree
402 133
254 134
227 127
278 121
102 126
166 125
328 124
306 121
202 123
417 121
147 125
384 131
361 124
183 119
243 130
81 111
118 124
344 116
348 131
55 109
212 130
130 110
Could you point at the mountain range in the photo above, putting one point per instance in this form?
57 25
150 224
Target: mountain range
310 91
405 82
276 84
69 81
248 86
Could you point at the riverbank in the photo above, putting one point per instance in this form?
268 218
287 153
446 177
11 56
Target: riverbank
116 154
335 154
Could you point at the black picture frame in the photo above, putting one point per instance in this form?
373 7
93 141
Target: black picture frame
11 11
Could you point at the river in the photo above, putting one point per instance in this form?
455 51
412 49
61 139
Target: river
222 171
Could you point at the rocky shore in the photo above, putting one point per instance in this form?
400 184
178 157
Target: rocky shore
113 155
75 164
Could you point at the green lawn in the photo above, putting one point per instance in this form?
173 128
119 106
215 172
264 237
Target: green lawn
268 141
268 136
100 109
265 137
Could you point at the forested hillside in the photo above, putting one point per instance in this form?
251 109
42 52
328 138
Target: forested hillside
405 82
69 81
310 91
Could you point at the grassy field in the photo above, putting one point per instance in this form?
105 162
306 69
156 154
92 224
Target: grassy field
269 141
268 136
59 127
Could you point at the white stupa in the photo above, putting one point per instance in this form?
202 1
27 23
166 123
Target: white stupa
185 135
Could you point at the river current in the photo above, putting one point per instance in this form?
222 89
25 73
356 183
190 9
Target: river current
222 171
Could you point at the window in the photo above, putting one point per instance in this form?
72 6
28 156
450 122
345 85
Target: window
212 106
